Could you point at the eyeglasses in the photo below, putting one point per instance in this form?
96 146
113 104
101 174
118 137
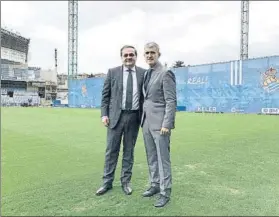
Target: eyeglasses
128 55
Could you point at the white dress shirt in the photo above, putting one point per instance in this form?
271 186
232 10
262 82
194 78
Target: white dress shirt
135 88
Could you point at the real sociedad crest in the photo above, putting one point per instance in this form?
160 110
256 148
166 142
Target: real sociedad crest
270 81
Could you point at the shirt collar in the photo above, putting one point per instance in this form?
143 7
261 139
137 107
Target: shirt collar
126 69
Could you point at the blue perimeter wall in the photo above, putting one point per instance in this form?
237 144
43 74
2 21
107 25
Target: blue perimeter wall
248 86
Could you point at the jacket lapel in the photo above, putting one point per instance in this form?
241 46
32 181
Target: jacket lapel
120 77
138 80
143 90
155 74
152 79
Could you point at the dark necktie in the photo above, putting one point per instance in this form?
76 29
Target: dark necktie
129 91
147 78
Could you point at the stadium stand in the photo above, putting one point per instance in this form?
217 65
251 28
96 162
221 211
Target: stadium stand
19 97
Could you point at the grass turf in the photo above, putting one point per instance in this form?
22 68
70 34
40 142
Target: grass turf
52 163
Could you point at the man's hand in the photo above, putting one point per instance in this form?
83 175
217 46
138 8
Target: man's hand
105 120
164 131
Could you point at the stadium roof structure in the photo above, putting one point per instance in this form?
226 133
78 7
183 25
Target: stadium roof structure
14 35
14 41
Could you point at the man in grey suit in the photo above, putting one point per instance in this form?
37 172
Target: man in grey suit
121 110
158 119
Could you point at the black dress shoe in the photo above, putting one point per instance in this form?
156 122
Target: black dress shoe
162 201
102 190
127 189
151 191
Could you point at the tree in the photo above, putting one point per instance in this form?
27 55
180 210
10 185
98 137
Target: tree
178 64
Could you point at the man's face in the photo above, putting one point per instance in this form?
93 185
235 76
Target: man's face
128 57
151 56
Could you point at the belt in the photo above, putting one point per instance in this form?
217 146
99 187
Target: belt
130 111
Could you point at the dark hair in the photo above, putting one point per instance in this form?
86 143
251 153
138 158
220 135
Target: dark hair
128 46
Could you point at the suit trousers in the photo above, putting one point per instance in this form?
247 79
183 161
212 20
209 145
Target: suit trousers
157 149
128 127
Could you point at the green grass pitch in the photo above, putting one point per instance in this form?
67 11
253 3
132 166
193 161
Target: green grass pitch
52 163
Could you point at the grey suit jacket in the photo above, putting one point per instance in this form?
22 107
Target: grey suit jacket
160 101
111 104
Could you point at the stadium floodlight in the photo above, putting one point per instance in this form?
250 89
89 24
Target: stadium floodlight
72 39
244 31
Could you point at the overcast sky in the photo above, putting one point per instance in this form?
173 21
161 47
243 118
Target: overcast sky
195 32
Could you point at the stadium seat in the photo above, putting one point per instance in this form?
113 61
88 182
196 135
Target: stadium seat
20 97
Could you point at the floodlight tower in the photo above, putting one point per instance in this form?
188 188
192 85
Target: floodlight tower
244 34
72 39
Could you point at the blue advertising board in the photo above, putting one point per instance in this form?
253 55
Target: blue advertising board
248 86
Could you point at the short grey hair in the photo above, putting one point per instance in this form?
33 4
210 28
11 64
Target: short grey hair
152 45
